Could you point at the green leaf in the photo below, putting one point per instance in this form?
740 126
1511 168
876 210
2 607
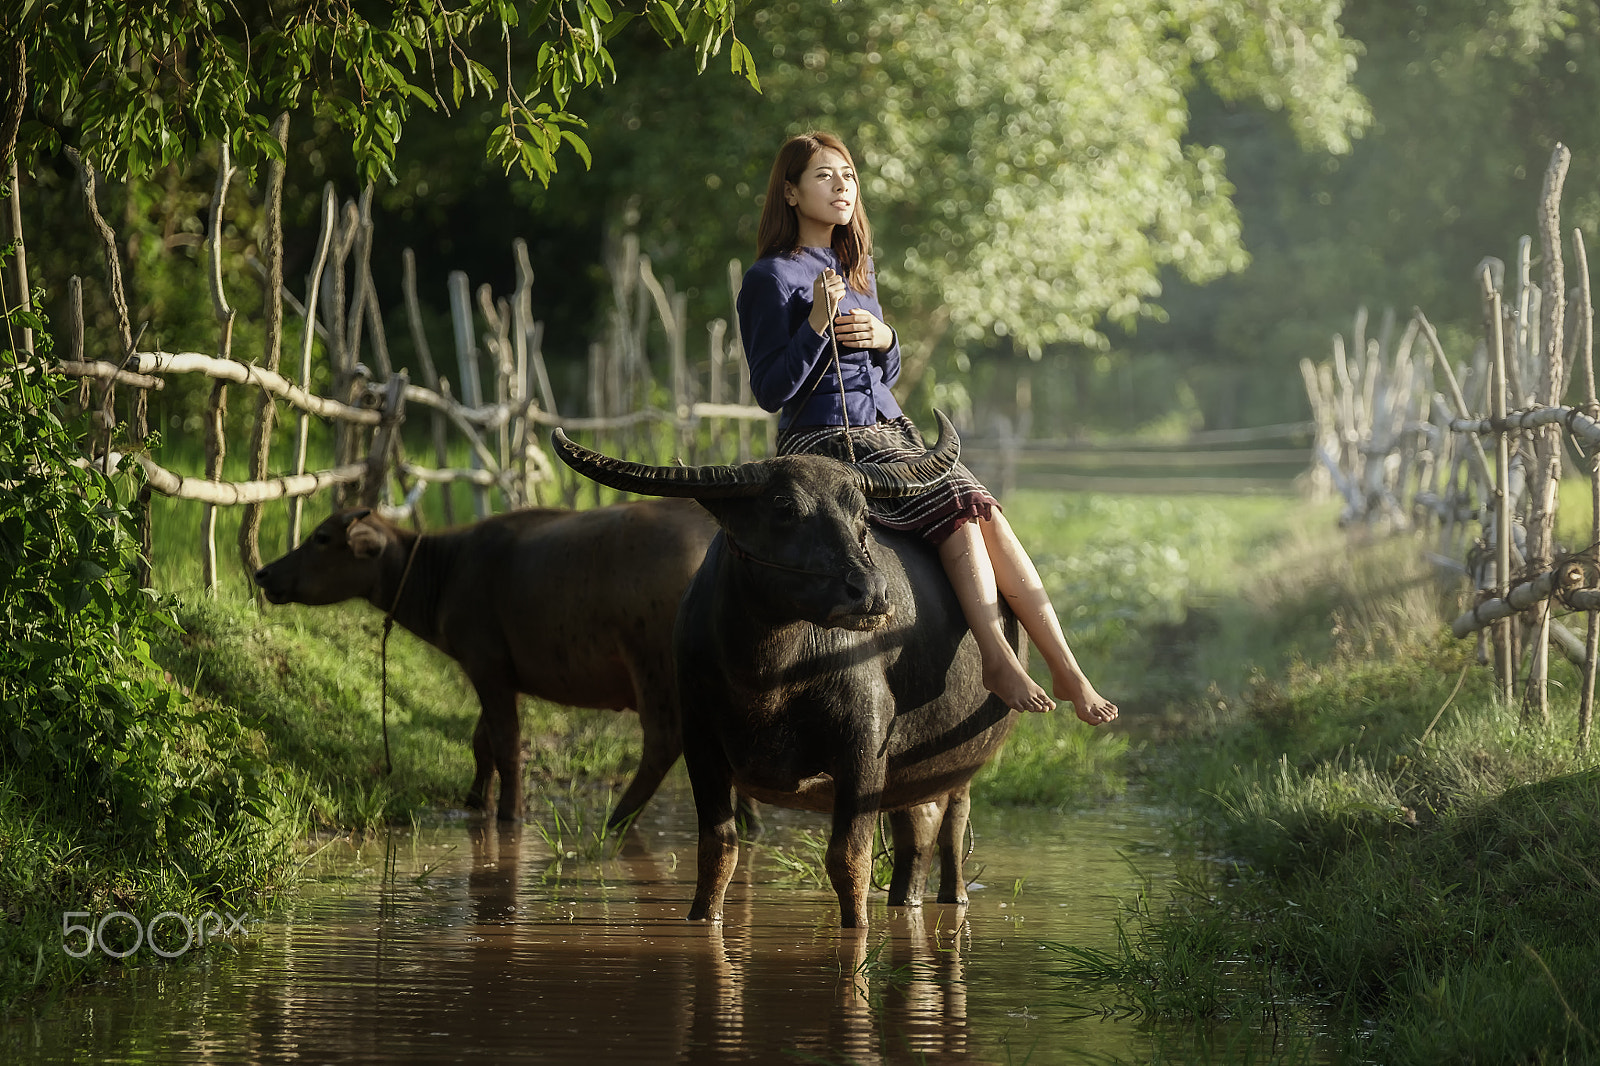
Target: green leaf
579 146
741 60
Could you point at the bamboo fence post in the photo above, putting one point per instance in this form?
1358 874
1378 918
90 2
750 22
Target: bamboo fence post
372 315
596 403
217 408
1475 454
682 383
308 334
467 364
1544 482
1504 663
337 311
10 124
430 376
1585 331
718 329
547 395
20 254
523 388
360 252
75 331
638 347
511 396
386 436
497 339
249 540
1517 333
126 339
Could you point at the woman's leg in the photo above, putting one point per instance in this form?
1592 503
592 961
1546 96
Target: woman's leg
1018 581
966 561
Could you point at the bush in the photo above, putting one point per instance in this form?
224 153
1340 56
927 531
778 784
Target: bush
113 784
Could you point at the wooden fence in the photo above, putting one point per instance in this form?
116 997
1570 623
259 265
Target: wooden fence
1401 436
500 406
1265 460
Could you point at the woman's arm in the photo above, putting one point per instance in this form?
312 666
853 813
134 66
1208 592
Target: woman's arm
782 358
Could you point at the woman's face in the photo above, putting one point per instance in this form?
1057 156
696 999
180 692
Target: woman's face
825 193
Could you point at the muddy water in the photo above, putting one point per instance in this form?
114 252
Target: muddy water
467 943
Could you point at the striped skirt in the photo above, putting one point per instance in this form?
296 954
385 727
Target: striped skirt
934 514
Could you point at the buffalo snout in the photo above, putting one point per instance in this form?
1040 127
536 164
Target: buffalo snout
867 603
272 585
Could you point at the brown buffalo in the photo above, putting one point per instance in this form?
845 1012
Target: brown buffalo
574 607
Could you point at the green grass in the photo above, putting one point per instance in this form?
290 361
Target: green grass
1393 850
310 678
1162 603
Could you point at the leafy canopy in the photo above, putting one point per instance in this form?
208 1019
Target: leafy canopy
1027 165
151 83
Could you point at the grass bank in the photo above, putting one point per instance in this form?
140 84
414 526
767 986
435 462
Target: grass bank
1399 864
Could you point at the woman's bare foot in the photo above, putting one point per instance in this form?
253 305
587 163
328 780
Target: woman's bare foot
1092 707
1020 692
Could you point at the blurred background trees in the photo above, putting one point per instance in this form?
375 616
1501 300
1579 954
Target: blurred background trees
1139 213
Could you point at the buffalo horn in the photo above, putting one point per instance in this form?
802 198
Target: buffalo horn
699 482
885 480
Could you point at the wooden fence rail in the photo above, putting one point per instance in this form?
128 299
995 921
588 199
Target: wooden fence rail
1406 454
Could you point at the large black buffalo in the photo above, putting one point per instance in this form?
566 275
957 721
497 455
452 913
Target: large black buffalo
824 664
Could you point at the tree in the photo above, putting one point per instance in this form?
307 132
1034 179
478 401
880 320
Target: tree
1468 101
1027 166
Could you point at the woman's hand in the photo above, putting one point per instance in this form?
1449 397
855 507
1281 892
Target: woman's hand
826 292
862 329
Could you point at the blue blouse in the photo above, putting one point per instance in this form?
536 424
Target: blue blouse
786 354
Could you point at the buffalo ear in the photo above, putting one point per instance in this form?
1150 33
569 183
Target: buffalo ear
366 540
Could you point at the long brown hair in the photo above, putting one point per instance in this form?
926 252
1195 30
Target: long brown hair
779 230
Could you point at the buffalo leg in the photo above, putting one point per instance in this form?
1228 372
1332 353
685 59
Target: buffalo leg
915 831
712 780
483 765
662 744
857 791
850 859
952 839
502 743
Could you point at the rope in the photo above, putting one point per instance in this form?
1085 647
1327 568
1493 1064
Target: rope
844 411
383 652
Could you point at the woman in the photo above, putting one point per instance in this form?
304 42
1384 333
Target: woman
813 258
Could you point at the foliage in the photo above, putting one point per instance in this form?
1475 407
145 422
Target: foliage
1392 846
88 719
151 84
115 787
1025 165
1468 100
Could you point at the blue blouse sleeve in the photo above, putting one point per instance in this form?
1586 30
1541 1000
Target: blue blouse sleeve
779 342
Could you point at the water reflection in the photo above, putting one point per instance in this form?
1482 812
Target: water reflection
475 942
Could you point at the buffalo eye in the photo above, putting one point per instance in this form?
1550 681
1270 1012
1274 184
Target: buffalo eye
321 538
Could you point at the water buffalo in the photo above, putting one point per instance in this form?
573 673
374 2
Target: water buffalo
824 664
575 607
